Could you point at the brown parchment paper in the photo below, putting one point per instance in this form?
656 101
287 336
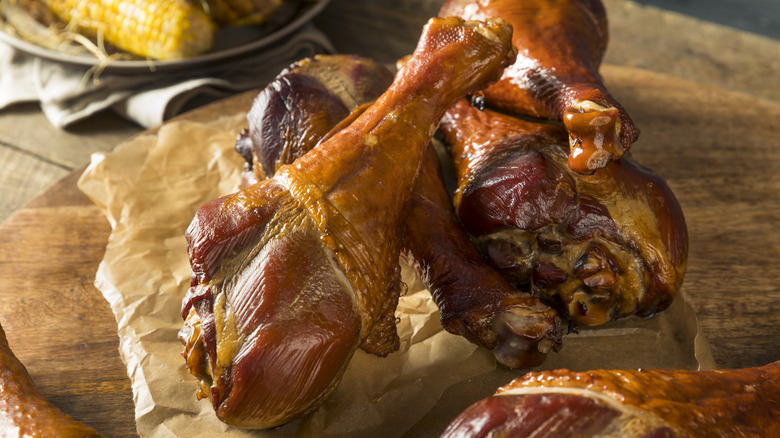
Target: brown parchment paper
150 188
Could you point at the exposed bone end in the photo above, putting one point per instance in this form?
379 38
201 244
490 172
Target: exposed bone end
489 31
526 336
594 136
383 338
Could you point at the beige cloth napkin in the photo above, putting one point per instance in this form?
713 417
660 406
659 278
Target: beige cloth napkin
67 95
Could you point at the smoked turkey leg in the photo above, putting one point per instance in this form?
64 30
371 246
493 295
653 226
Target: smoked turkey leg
474 300
598 247
24 411
560 46
629 403
294 273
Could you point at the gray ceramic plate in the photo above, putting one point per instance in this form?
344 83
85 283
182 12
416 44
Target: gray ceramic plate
229 43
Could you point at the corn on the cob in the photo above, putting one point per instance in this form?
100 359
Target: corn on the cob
242 12
157 29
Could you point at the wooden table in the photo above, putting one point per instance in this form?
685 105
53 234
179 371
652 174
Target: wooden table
53 238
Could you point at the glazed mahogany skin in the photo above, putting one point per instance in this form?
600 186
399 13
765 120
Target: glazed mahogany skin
24 411
294 273
303 103
560 47
629 403
599 247
474 300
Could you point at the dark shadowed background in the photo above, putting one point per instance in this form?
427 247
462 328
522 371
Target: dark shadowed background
757 16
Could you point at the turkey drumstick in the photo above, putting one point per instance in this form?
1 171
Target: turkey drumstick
560 46
629 403
474 300
599 247
24 411
294 273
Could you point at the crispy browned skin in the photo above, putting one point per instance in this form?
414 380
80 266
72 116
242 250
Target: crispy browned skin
474 300
630 403
294 273
560 46
599 246
24 412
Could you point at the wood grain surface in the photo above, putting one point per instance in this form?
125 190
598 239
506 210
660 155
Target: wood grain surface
56 322
718 150
718 145
720 153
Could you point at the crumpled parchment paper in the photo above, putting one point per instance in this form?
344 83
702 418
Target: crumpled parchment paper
150 188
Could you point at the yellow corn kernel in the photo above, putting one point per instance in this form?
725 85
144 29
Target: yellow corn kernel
157 29
242 12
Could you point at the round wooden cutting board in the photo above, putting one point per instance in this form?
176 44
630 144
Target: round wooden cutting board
719 151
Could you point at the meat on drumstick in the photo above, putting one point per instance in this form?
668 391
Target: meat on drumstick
599 247
294 273
24 411
629 403
560 47
474 300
